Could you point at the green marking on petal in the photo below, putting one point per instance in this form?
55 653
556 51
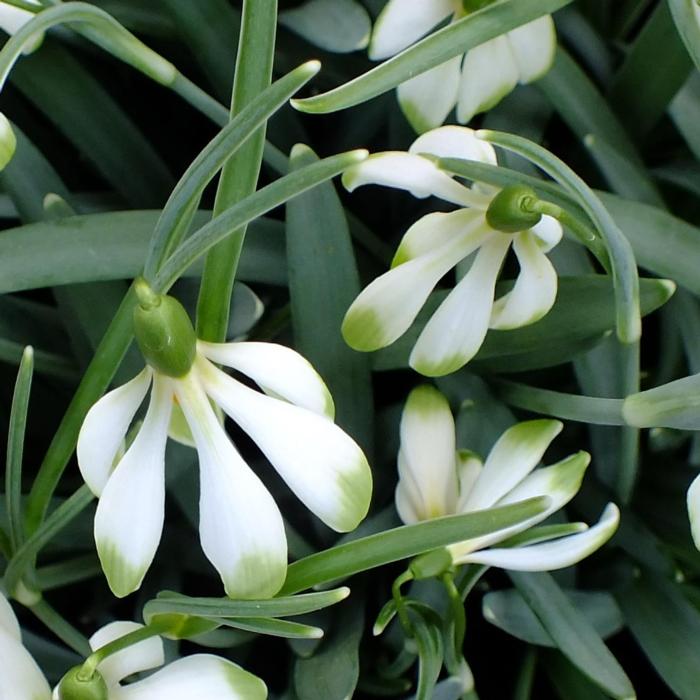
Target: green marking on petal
428 368
355 487
123 578
255 576
245 684
363 329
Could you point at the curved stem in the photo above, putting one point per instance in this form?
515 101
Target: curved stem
401 609
97 657
61 627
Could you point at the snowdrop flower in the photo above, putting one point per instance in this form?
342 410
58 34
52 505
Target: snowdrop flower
240 526
488 223
197 676
435 480
20 677
14 18
474 82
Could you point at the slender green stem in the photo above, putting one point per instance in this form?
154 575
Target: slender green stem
582 232
239 175
15 448
60 518
468 578
401 609
61 627
97 657
629 438
95 381
586 409
67 572
459 618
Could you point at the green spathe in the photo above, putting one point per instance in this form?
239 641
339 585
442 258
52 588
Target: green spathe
73 687
508 211
164 332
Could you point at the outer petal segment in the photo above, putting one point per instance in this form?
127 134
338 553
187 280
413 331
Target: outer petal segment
322 465
198 676
428 464
489 73
533 46
512 458
129 517
104 428
457 329
278 370
403 22
142 656
240 526
427 99
454 142
535 289
413 173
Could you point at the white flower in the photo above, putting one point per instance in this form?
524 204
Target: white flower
196 676
435 480
435 244
14 18
474 82
20 677
240 526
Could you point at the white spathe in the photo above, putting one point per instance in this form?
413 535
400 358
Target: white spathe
435 480
435 244
475 81
241 528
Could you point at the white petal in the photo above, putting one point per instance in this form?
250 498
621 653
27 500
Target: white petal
489 73
428 452
432 231
20 677
138 657
194 677
516 453
555 554
548 232
693 501
104 428
457 329
322 465
405 499
385 309
402 22
240 526
533 45
278 370
560 481
8 621
413 173
535 289
455 142
427 99
129 517
469 468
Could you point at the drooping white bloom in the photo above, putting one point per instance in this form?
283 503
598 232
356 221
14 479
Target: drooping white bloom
435 244
20 677
474 82
197 676
435 479
14 18
240 526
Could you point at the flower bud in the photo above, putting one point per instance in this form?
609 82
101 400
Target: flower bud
73 687
163 332
508 210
